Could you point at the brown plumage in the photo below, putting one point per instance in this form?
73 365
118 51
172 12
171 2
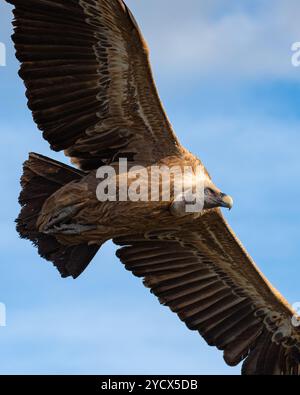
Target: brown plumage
91 91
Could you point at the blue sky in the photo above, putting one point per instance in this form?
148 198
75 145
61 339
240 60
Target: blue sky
224 73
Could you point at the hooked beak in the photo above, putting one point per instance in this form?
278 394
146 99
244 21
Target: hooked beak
226 201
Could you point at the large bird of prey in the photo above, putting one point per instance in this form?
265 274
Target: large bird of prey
90 88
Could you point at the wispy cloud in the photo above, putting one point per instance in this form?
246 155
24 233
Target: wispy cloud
222 40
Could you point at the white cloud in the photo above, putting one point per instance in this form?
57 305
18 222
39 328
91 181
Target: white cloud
212 37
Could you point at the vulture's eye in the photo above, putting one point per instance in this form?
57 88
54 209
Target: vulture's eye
209 191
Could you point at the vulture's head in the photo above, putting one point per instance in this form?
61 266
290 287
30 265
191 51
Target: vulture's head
209 198
213 197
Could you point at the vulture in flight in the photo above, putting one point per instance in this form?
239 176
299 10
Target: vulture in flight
90 88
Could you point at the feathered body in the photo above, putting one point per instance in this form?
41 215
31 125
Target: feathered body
96 221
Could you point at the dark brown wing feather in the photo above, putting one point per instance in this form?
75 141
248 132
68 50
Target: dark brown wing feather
203 274
89 82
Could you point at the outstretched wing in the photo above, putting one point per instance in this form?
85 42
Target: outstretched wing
203 274
89 82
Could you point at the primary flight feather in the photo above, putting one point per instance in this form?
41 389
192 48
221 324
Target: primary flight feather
90 88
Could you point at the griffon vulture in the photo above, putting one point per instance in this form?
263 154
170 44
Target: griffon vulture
90 88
